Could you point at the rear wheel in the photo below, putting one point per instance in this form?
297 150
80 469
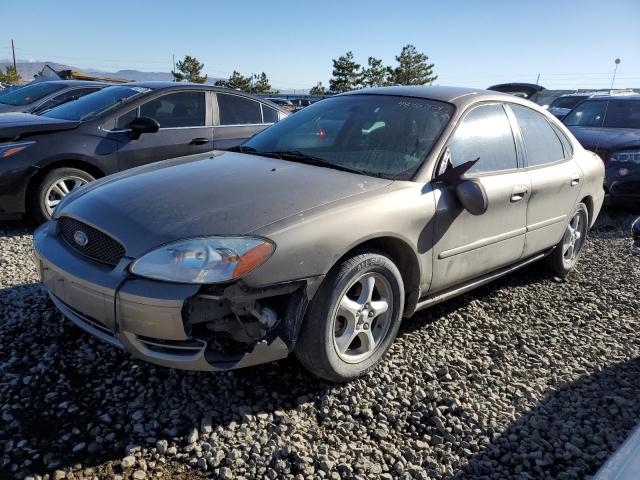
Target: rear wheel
353 319
56 185
564 257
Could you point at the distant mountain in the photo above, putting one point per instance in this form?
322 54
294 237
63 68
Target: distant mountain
28 70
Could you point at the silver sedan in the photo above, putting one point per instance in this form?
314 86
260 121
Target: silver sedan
319 234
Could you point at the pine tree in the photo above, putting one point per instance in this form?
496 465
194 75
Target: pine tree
413 68
345 74
10 76
376 74
261 84
189 69
318 89
237 81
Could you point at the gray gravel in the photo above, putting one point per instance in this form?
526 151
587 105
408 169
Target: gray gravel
529 377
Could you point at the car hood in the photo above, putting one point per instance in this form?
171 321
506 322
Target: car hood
606 139
221 193
16 123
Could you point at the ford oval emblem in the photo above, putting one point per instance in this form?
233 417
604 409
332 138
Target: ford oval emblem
80 238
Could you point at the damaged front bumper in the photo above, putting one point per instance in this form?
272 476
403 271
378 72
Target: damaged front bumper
184 326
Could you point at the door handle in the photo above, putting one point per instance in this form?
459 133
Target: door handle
518 193
575 180
199 141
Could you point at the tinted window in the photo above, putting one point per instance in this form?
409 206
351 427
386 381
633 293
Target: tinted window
124 120
615 113
30 93
542 143
486 133
236 110
269 115
380 135
181 109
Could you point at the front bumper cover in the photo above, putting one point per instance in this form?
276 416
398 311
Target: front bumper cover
145 317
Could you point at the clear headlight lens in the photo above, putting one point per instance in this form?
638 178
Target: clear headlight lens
626 156
12 148
204 260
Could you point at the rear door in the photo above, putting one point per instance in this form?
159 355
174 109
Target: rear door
185 129
555 179
466 245
238 118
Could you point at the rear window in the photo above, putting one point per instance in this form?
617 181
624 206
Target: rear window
567 102
237 110
540 139
30 93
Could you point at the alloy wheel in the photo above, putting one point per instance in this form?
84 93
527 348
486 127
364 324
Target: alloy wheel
574 237
60 189
362 317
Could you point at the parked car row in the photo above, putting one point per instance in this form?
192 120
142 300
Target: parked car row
46 156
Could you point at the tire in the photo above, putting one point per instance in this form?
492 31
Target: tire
346 331
49 190
564 257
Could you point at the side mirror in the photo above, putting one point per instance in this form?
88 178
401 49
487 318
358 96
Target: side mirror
472 196
142 125
635 234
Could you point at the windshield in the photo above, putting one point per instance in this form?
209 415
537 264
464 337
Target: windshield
92 105
30 93
380 135
618 113
567 102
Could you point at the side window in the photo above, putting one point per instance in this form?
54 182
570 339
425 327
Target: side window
237 110
181 109
540 140
269 115
485 132
124 120
566 143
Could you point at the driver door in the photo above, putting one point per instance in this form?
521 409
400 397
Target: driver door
184 129
466 245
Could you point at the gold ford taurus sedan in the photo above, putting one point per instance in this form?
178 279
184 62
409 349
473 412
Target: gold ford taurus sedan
319 234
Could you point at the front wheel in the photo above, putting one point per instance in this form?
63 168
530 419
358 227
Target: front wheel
56 185
353 318
564 257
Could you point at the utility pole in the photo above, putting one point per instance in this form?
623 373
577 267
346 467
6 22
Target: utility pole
538 80
13 49
173 67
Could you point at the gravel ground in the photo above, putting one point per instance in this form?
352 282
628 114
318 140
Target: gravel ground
529 377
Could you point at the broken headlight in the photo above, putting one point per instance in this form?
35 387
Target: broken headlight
204 260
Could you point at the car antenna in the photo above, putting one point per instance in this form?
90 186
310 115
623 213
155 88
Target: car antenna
606 107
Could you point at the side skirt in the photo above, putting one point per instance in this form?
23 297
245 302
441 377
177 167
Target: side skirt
451 292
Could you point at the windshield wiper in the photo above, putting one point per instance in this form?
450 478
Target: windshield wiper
298 156
240 149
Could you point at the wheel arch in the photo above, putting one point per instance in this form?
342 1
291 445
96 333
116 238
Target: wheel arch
588 201
405 258
35 180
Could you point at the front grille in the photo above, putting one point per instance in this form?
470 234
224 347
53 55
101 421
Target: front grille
100 246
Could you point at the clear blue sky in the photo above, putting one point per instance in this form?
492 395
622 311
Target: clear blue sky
473 43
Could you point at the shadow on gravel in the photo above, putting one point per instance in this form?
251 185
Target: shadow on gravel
548 441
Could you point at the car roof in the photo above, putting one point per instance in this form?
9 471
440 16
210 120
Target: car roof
74 83
455 95
615 98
